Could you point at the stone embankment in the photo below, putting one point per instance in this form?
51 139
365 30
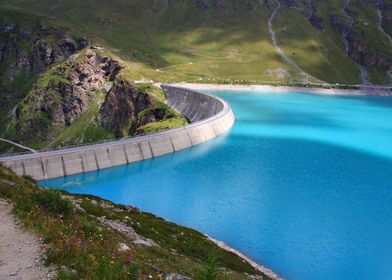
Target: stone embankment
210 117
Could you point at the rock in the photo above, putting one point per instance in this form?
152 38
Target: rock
144 243
68 271
122 104
6 26
357 50
129 232
366 56
220 4
122 247
26 51
62 101
173 276
316 21
42 26
68 45
202 5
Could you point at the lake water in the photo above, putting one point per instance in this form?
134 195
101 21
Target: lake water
302 184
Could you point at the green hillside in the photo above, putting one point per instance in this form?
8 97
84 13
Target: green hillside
189 40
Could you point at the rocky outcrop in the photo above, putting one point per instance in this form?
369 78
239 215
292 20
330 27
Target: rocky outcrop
316 21
63 94
366 56
35 48
355 49
25 51
67 91
122 105
231 5
306 9
202 5
386 14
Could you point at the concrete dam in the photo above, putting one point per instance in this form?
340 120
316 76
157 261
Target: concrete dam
210 117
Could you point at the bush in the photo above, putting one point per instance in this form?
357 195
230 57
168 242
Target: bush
52 201
210 272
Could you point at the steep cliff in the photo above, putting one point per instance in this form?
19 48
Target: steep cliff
122 105
82 100
62 95
29 46
358 50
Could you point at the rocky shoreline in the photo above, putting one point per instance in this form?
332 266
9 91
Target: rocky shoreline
255 265
364 91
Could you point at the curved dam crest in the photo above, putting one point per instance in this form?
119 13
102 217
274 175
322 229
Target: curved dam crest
210 117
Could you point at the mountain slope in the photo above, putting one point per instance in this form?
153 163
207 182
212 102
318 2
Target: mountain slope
83 99
222 39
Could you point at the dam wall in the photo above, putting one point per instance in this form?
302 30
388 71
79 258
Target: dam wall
210 117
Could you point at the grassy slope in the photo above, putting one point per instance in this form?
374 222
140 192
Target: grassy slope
83 248
182 43
317 52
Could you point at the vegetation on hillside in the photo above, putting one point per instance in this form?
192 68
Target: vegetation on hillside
90 238
83 100
215 40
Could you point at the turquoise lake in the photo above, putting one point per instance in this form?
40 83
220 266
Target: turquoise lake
302 184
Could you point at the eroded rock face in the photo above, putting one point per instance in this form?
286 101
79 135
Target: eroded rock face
365 56
39 48
122 105
316 21
27 50
358 51
232 5
63 94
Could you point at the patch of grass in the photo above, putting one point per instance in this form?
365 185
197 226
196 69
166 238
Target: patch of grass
154 91
169 119
49 200
318 52
162 125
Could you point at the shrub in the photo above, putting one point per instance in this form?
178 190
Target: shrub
51 200
210 271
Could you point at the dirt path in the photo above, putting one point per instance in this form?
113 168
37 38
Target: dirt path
279 50
18 145
20 253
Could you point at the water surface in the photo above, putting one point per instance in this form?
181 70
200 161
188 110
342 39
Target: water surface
301 184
